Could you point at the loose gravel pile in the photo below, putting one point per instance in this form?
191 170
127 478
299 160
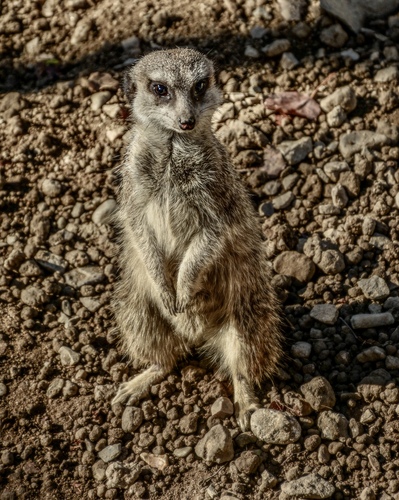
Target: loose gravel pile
327 192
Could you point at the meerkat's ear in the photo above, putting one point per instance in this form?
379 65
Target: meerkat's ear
129 85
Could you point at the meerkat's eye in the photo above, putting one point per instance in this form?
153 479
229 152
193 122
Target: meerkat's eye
200 87
160 90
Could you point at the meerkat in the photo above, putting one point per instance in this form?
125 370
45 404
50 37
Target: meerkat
193 266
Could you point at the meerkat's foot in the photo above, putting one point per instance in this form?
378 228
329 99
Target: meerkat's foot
139 387
243 414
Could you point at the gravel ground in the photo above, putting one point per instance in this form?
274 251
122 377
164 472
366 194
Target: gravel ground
327 192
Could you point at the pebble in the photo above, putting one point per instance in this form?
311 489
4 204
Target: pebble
132 418
50 261
334 36
310 486
90 303
88 275
3 389
268 480
68 356
182 452
33 296
188 424
275 427
51 188
70 389
248 462
386 75
301 350
291 10
319 394
373 353
55 388
325 313
288 61
367 494
122 475
336 117
283 201
374 288
339 197
392 363
332 425
277 47
296 265
98 99
216 445
354 142
81 31
372 320
331 262
110 452
296 151
333 169
222 408
103 213
344 97
251 52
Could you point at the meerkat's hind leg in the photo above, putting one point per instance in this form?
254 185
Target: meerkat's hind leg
139 387
245 401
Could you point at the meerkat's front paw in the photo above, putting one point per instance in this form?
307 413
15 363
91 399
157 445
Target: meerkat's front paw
130 392
243 414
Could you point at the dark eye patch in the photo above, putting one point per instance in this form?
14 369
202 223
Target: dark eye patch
200 87
159 89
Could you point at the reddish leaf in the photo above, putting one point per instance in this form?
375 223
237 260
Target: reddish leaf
293 103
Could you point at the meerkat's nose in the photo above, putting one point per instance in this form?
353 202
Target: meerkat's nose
187 124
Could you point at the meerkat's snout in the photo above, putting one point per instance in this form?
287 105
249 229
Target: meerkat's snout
187 123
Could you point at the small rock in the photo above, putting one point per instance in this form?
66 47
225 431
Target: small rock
311 486
268 480
319 394
51 187
296 151
334 36
51 262
367 494
301 350
277 47
331 262
110 452
55 388
332 425
251 52
70 389
275 427
182 452
333 169
344 97
296 265
291 10
374 288
283 201
103 213
130 43
288 61
132 418
216 445
90 303
188 424
372 320
89 275
98 99
68 356
122 475
159 462
355 142
297 404
81 31
336 117
248 462
33 296
325 313
339 197
222 408
392 363
3 389
385 75
98 470
373 353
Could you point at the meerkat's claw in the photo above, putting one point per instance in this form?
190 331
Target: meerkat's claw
129 393
243 415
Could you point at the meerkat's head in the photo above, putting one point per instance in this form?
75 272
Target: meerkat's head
174 90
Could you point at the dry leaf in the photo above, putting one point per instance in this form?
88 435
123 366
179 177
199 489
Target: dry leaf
293 103
274 162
